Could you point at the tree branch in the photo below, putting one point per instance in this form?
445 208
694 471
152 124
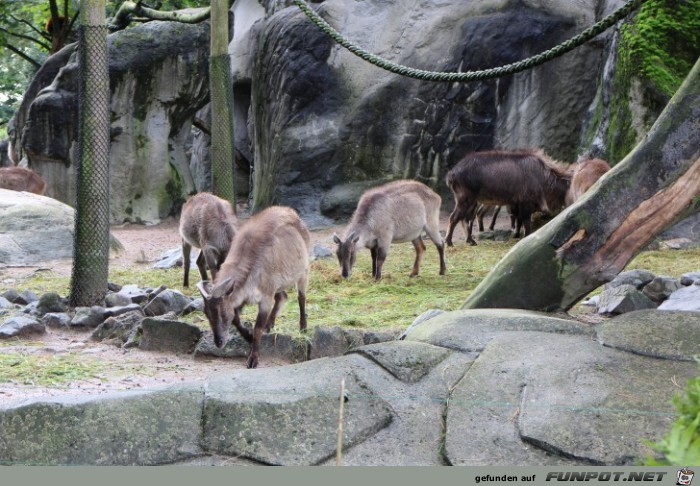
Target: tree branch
123 16
590 242
21 54
43 34
26 37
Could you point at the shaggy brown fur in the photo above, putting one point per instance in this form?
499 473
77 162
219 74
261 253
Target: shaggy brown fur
21 179
528 180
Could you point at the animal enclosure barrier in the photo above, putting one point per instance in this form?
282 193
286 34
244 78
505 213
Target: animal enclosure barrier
91 235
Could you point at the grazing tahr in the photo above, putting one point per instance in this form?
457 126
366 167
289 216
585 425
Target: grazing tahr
209 223
269 254
526 180
21 179
586 173
396 212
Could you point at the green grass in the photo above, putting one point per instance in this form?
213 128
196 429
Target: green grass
359 302
53 370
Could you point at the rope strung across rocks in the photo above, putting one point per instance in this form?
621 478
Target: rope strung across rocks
516 67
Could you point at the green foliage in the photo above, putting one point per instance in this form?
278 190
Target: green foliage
681 445
657 48
663 42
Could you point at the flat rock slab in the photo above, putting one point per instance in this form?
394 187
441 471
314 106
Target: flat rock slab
660 334
129 428
19 326
550 399
471 330
407 361
289 415
167 335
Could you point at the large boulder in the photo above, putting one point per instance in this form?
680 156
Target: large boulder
158 79
478 387
36 228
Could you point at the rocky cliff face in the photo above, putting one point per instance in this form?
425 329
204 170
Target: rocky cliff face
326 122
158 80
315 125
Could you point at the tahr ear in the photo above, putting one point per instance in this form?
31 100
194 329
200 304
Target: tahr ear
353 237
224 288
336 239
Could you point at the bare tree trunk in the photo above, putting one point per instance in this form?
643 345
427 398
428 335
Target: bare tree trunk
221 89
590 242
91 236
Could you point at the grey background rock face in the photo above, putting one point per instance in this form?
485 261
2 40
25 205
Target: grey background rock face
334 119
159 79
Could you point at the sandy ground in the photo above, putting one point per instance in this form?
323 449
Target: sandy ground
130 369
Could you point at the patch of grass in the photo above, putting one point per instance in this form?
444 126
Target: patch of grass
53 370
360 302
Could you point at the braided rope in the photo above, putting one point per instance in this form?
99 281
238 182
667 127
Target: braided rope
516 67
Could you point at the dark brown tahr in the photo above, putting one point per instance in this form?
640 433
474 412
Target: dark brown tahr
269 255
585 174
209 223
396 212
525 180
21 179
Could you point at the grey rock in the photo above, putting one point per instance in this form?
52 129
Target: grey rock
167 335
241 409
688 229
471 330
320 251
113 287
690 278
36 228
638 278
273 346
20 326
6 304
12 295
623 298
26 297
679 244
126 428
119 328
374 337
236 346
173 258
32 309
683 299
56 320
661 288
89 317
571 393
407 361
592 301
51 302
169 300
656 333
334 341
115 299
135 293
196 305
124 309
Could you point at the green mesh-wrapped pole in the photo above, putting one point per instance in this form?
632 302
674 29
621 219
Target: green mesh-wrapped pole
91 234
221 89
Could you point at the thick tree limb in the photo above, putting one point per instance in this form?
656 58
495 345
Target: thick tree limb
21 54
590 242
127 9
